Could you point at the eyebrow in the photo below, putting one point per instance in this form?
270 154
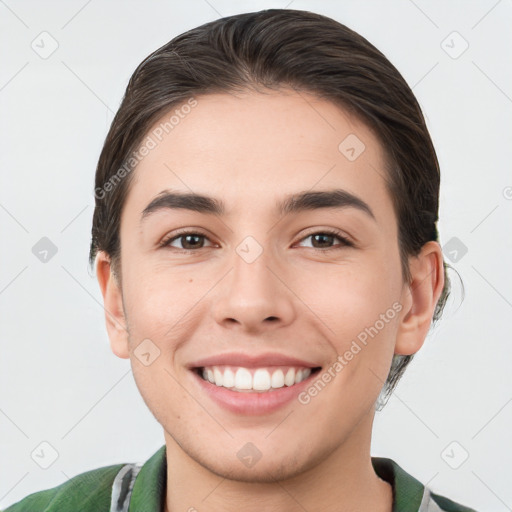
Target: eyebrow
294 203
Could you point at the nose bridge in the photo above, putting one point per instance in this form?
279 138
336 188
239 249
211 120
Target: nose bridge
251 262
252 294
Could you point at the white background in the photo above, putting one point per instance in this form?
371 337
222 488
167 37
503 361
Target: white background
59 381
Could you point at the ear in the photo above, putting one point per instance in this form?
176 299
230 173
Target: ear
113 306
419 298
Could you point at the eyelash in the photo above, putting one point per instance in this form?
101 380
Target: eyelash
336 234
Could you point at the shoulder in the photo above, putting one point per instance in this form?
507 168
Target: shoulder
89 491
409 493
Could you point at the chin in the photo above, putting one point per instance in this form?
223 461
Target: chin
263 471
264 474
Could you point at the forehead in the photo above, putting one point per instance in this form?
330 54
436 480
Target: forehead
250 147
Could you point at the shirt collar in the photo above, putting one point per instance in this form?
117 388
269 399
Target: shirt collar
148 493
407 491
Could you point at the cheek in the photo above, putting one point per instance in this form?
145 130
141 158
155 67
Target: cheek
358 305
157 299
350 294
160 308
160 390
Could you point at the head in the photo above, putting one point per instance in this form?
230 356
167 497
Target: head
250 110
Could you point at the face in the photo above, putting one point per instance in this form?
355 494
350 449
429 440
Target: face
315 286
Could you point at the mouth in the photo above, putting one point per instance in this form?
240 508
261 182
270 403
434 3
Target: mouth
252 391
255 380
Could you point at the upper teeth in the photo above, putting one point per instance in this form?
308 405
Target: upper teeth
257 379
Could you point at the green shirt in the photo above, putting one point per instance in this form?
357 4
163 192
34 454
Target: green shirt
141 488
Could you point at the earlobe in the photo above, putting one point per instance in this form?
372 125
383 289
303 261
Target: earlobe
420 297
113 306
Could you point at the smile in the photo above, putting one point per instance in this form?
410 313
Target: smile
259 380
253 391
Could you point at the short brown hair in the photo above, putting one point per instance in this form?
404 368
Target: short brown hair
277 48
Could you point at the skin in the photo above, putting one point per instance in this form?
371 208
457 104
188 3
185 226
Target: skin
250 150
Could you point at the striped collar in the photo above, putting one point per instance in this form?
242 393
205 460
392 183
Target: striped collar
141 487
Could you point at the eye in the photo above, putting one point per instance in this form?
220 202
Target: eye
189 241
324 238
193 240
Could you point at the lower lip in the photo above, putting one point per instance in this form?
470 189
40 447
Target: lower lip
256 403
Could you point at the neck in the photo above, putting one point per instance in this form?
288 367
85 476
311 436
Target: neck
340 480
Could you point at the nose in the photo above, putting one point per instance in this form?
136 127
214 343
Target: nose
255 296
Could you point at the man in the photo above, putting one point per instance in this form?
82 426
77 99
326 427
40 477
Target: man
265 243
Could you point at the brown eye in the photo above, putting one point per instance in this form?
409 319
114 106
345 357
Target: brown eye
322 239
188 241
325 239
191 241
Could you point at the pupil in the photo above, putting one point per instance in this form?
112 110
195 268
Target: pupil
324 236
187 237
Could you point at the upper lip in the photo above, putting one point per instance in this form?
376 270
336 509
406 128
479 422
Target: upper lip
251 361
